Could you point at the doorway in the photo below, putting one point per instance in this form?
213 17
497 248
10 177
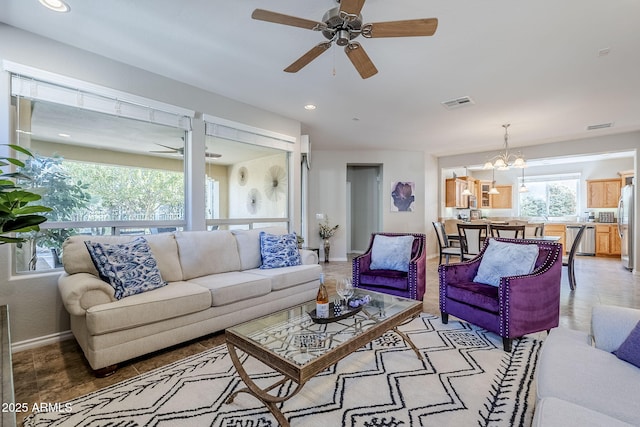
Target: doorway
364 205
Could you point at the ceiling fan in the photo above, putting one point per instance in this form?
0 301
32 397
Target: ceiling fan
341 25
180 151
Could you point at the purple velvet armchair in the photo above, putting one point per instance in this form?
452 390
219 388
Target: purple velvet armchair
520 305
409 284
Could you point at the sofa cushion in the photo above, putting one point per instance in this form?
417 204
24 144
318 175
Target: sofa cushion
279 251
629 350
476 294
391 252
175 299
129 267
227 288
503 259
207 252
248 242
554 412
570 369
287 277
76 257
385 278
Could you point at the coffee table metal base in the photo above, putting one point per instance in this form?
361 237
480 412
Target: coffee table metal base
271 401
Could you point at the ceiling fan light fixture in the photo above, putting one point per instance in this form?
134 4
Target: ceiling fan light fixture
56 5
342 37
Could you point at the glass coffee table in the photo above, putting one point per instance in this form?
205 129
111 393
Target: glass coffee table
293 344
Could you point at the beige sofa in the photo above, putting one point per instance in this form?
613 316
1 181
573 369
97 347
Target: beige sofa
580 383
214 281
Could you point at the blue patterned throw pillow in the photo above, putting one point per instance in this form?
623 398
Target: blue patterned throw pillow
503 259
129 267
279 250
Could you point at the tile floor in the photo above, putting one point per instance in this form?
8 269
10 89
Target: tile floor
59 372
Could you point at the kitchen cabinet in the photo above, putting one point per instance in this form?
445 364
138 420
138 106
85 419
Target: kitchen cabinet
494 201
607 240
559 230
504 199
453 191
484 198
603 193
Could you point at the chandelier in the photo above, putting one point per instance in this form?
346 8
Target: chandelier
506 160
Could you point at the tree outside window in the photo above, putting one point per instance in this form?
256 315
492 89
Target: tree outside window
550 197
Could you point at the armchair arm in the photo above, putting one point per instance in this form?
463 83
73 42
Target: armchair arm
417 274
360 263
611 325
531 302
459 272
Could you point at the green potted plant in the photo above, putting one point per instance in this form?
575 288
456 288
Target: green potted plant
17 213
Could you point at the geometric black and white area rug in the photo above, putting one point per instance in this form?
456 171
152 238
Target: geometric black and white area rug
465 379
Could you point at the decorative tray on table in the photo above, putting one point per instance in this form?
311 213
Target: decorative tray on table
333 317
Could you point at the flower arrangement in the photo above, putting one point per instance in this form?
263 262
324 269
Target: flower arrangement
325 230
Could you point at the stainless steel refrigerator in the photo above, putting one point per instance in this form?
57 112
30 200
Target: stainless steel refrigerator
625 226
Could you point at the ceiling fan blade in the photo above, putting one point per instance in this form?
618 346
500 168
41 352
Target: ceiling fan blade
360 60
408 28
279 18
175 149
212 155
351 7
163 152
308 57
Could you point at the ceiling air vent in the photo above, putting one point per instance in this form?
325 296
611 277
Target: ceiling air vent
600 126
457 103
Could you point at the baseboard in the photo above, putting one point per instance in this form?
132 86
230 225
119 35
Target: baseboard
40 341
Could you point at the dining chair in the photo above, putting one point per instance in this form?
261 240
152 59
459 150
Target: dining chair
536 227
567 260
472 237
446 249
509 231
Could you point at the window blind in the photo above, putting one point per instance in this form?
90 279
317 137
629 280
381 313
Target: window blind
138 109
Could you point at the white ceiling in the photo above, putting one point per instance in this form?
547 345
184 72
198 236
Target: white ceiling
533 64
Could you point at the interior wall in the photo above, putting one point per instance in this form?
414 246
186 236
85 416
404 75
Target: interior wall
328 176
257 180
36 310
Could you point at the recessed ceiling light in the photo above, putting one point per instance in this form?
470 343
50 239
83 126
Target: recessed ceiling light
309 107
56 5
64 135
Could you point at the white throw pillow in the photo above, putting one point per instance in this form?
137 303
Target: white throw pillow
391 252
502 259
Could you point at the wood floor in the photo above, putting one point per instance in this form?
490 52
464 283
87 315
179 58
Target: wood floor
59 372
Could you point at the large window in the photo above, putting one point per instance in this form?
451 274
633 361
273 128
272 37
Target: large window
112 163
550 196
